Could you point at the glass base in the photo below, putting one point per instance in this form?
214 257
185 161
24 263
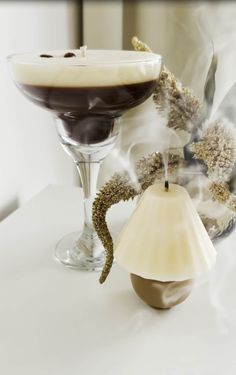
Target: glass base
67 252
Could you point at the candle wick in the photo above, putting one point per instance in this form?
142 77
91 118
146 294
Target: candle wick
166 185
83 50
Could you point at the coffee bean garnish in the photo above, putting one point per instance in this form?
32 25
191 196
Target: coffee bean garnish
45 55
69 54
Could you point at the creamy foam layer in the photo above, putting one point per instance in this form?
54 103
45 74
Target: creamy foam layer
97 68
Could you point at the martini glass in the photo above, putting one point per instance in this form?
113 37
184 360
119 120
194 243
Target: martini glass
87 92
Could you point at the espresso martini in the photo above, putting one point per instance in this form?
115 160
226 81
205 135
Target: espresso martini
87 91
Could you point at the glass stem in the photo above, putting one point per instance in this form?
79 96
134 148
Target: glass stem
88 171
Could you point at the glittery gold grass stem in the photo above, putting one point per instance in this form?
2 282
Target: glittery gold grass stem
220 193
120 188
217 149
184 109
117 189
139 45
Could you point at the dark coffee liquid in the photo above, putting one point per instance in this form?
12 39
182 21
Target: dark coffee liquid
88 113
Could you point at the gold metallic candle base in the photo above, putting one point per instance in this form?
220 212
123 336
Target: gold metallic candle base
159 294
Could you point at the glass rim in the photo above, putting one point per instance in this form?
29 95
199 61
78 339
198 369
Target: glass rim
21 58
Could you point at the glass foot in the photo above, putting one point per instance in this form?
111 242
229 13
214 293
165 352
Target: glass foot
68 253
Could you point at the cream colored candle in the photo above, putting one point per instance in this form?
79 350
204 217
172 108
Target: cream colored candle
165 239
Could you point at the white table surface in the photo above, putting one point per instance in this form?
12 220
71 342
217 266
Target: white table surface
57 321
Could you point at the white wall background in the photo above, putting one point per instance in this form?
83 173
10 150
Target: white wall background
30 154
103 24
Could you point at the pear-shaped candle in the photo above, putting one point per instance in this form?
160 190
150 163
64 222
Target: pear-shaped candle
164 241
